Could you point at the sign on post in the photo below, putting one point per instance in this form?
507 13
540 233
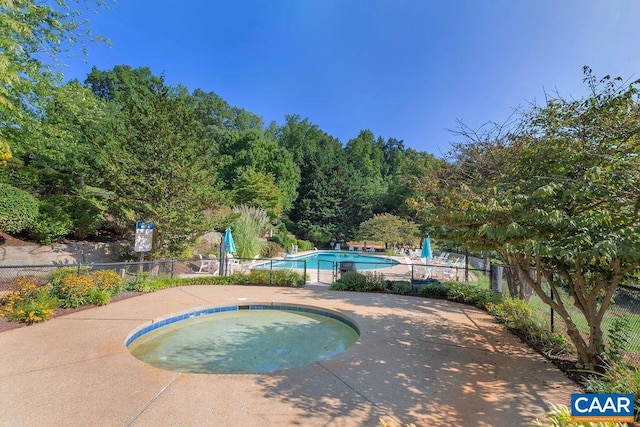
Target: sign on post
144 236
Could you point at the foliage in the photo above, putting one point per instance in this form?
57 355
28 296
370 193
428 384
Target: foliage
401 287
518 316
560 416
53 221
27 302
249 154
33 35
72 290
271 250
555 194
259 189
389 229
433 289
275 278
358 282
141 282
283 278
248 228
350 281
616 378
304 245
619 333
18 209
158 168
108 281
470 294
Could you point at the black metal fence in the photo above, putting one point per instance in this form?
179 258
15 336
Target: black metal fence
156 268
621 320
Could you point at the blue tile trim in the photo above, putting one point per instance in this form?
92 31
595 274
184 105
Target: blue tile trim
212 310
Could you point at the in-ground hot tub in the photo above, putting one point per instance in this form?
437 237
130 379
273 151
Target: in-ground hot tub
243 339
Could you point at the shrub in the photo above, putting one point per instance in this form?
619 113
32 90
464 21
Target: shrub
271 250
462 292
434 289
108 281
139 283
98 297
87 216
517 315
53 221
616 378
560 416
72 289
304 245
401 287
350 281
27 303
18 209
375 282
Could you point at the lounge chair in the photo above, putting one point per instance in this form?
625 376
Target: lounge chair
205 264
337 247
351 248
359 248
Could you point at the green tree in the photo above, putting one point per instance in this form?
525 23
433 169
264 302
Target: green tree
158 167
390 228
258 189
557 195
251 149
18 209
33 34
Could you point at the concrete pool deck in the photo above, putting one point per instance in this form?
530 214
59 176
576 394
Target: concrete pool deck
423 361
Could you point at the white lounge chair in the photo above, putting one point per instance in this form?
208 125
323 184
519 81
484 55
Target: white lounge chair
351 248
205 264
359 248
337 247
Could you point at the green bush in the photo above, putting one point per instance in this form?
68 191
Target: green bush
27 302
271 250
375 282
304 245
98 297
518 316
434 289
469 294
401 287
18 209
351 281
108 281
87 216
560 416
53 221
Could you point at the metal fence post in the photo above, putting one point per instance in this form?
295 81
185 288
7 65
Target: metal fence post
173 267
305 271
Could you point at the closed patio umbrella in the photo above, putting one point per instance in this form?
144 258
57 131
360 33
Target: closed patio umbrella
229 244
426 249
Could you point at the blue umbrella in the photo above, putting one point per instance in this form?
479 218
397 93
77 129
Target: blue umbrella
426 248
229 244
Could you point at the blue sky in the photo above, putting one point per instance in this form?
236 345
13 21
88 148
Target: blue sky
408 69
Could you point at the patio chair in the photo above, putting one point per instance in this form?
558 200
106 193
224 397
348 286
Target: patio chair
337 247
205 264
351 248
359 248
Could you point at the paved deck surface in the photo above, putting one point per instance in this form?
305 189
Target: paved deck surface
422 361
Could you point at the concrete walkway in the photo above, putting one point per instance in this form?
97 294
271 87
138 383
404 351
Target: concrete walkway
422 361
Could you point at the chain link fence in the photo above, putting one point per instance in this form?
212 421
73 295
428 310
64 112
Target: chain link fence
622 318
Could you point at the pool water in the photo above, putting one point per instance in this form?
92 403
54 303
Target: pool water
244 341
328 260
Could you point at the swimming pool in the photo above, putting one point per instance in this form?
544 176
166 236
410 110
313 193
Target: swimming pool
256 338
330 260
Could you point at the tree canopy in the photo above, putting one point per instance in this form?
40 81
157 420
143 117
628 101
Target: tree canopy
557 196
